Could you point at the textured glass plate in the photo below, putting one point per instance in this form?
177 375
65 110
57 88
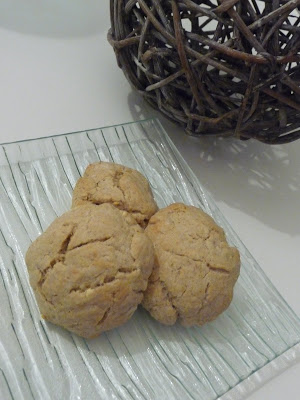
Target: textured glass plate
142 359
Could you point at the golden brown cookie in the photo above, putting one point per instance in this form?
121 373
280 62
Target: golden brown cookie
195 269
125 188
89 269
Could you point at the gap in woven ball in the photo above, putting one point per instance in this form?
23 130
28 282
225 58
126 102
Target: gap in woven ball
226 68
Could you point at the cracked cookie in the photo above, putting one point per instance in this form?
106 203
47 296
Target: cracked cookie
89 269
125 188
195 269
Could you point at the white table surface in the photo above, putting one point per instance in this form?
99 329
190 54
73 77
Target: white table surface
58 74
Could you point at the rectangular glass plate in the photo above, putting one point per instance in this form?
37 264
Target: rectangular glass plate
142 359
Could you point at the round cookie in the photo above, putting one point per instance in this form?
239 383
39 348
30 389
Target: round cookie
125 188
89 269
195 269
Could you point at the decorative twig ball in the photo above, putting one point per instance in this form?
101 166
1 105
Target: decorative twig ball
226 67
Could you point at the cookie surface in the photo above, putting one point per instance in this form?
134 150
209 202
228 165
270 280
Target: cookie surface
125 188
89 269
195 269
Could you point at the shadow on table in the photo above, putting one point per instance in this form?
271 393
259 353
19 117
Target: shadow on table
260 180
68 18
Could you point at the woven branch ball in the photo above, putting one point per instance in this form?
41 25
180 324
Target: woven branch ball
216 67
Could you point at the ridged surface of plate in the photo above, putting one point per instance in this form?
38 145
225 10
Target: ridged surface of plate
142 359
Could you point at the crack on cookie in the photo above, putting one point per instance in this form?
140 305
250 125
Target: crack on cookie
60 257
124 204
169 297
208 235
103 240
205 294
91 200
121 205
126 270
43 276
116 181
141 218
179 297
83 289
138 213
201 259
217 269
65 244
198 236
45 271
104 317
109 279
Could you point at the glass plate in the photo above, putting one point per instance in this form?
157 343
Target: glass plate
142 359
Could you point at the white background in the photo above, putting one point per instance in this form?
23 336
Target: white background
58 74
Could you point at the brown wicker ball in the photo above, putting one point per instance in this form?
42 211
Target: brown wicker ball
226 67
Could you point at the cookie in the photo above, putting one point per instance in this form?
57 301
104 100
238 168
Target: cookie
125 188
195 269
89 269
